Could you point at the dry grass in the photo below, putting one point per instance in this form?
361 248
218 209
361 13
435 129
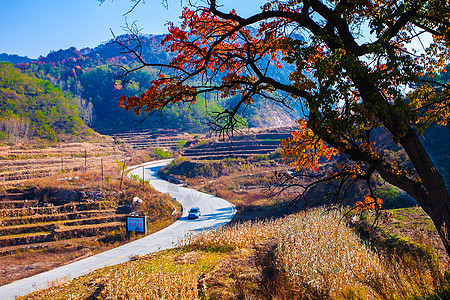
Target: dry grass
312 255
319 257
21 163
414 225
28 262
166 275
322 258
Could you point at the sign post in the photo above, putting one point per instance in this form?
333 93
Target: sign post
137 224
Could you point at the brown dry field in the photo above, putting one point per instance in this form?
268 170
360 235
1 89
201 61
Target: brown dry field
28 262
415 225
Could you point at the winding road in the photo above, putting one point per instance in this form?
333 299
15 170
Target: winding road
215 212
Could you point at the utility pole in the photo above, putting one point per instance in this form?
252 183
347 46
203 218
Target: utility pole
143 176
101 163
85 161
121 177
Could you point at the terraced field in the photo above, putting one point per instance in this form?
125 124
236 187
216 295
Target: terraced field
37 234
18 165
144 139
202 147
252 143
25 222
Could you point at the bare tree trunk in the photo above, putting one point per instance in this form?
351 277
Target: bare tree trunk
430 191
432 194
436 199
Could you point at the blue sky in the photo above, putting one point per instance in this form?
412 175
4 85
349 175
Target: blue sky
36 27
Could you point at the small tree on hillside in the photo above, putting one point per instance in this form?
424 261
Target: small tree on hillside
354 63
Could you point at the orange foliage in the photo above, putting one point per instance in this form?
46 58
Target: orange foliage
368 203
212 45
303 148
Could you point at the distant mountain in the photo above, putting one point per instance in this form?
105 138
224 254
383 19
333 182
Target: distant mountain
14 58
92 76
33 108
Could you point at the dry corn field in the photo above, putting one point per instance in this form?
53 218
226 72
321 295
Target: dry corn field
160 276
319 257
315 256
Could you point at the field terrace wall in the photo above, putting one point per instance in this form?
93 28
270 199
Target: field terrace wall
143 139
19 165
37 224
249 144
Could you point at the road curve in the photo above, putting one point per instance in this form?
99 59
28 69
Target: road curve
215 212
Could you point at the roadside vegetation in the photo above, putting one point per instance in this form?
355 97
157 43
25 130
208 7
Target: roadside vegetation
309 255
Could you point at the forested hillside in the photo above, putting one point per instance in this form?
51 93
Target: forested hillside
34 108
93 77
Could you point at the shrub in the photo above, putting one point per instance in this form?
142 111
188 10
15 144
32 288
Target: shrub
181 144
161 153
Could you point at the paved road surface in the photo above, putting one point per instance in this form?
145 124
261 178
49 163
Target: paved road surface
215 212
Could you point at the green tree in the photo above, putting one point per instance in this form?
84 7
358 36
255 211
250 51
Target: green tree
353 61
